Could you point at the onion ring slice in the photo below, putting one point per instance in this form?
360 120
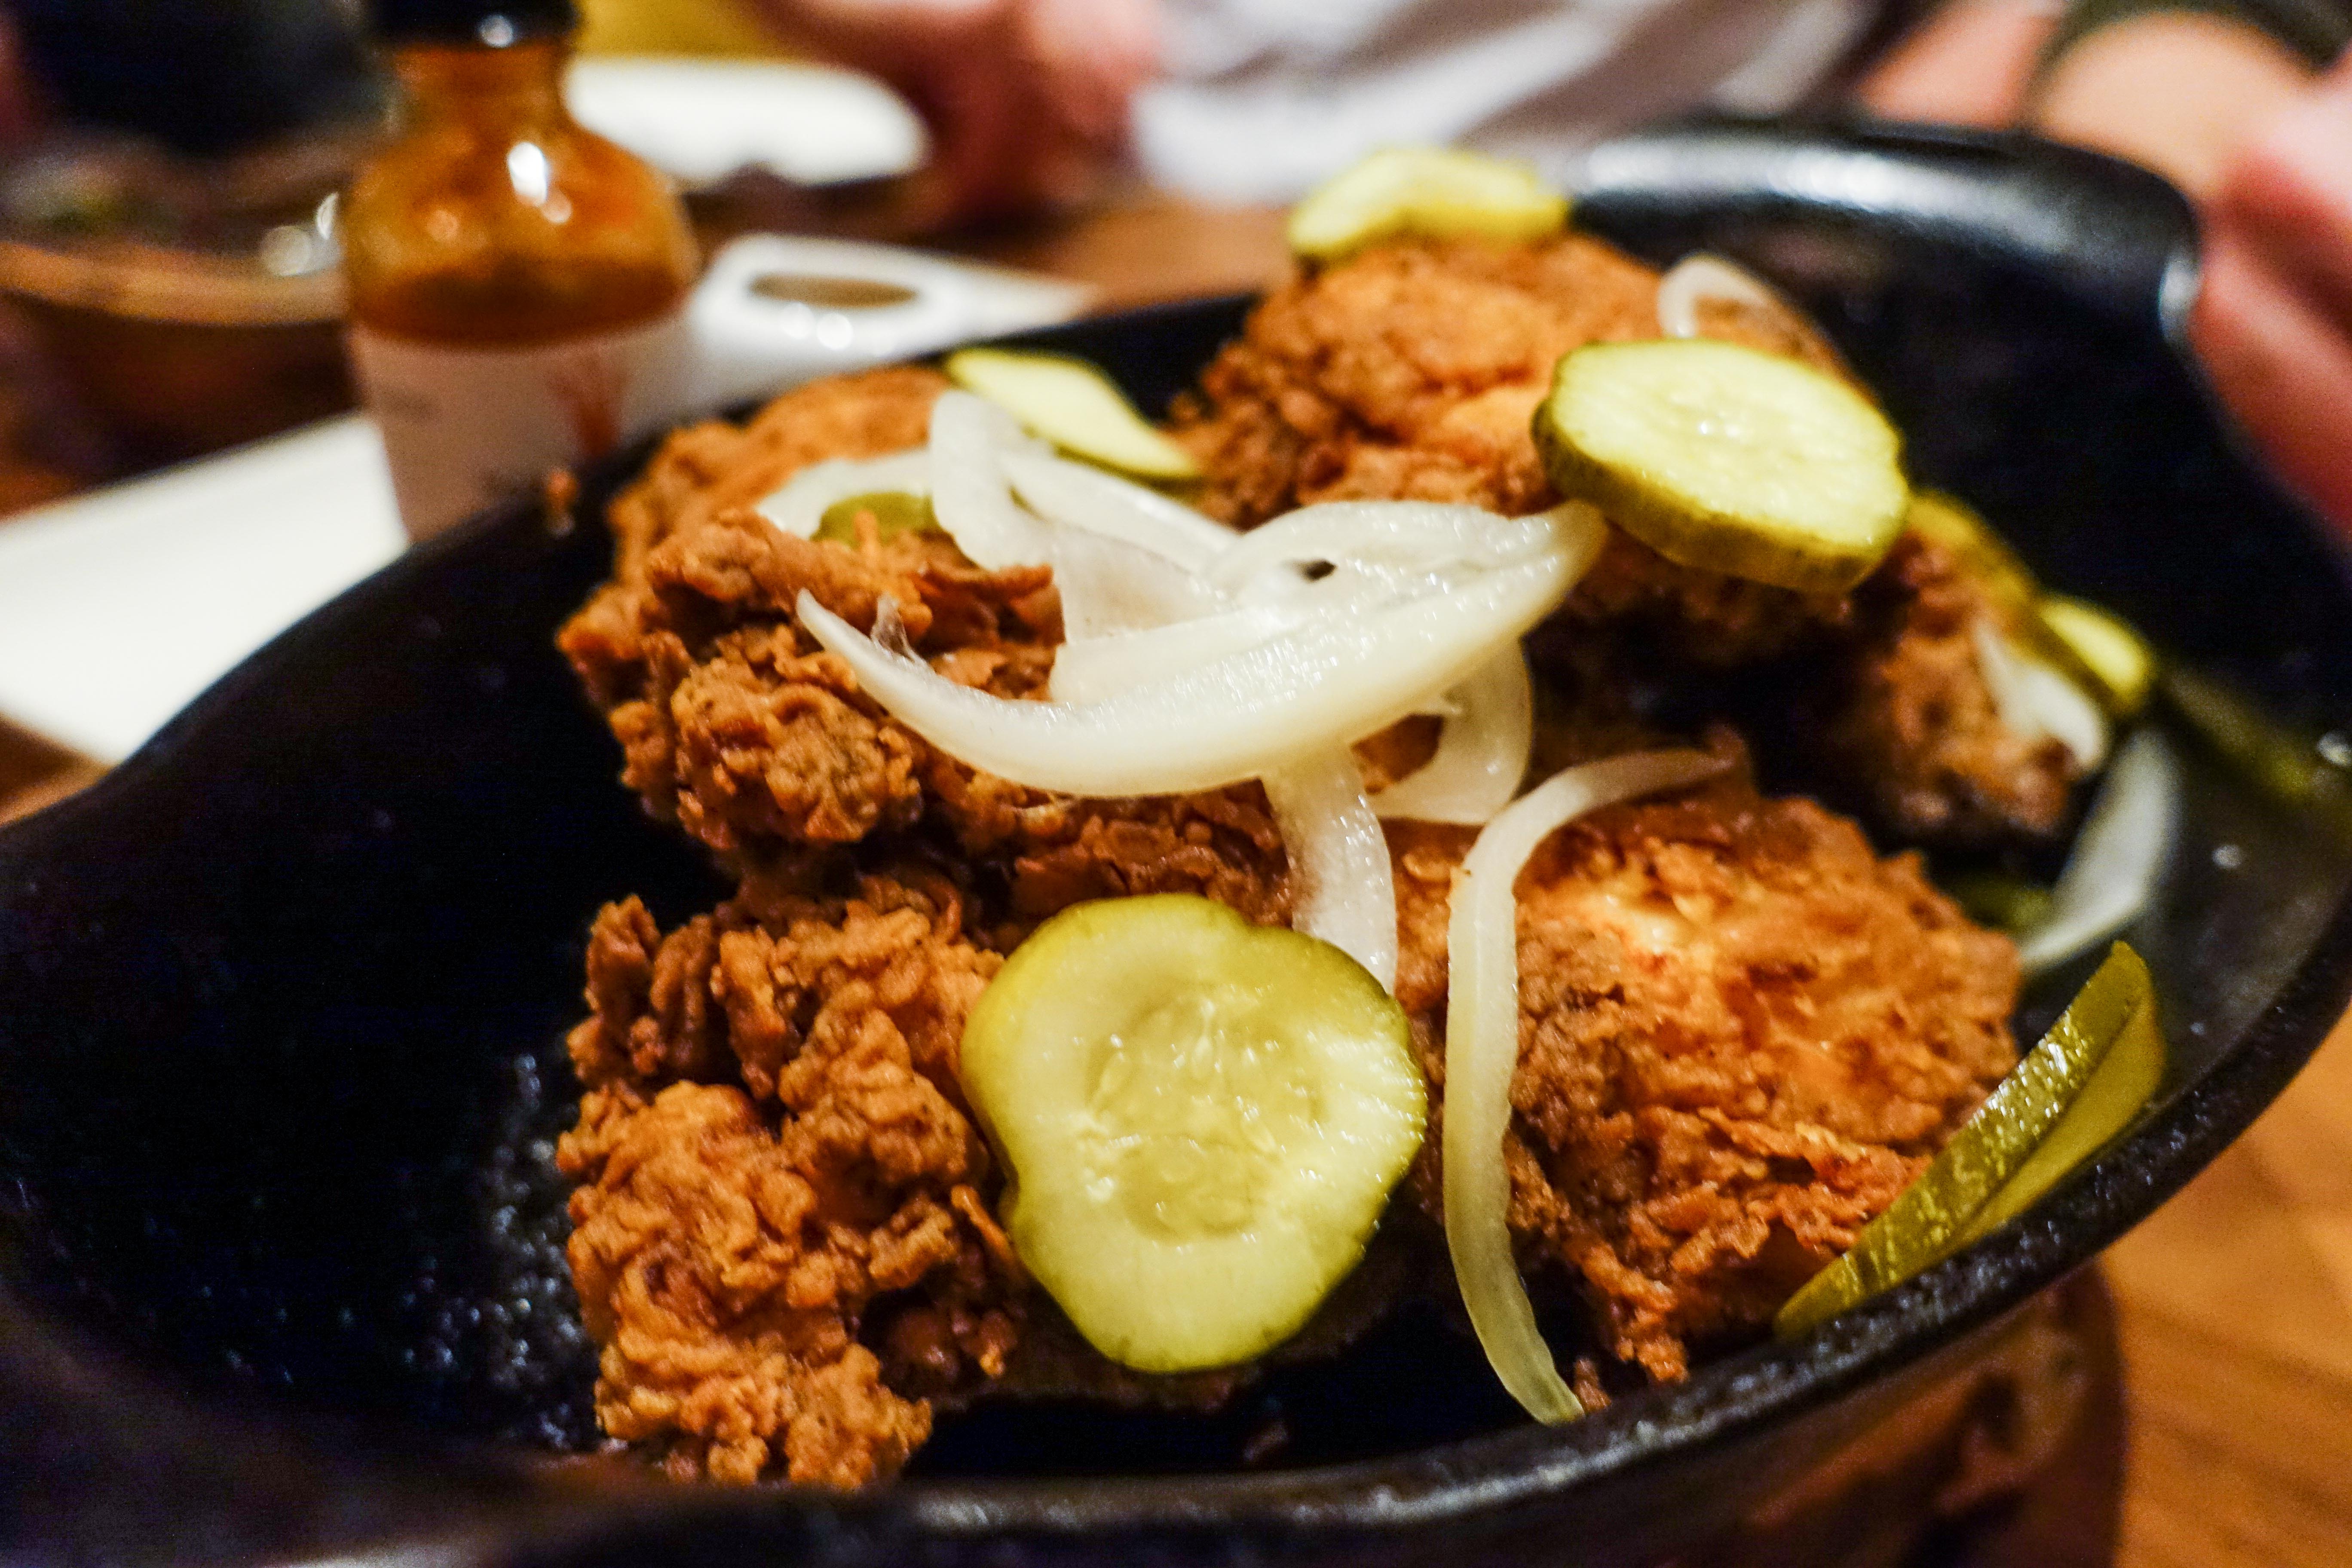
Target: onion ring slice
1346 891
1482 753
970 494
1076 496
2118 858
800 507
1089 670
1702 276
2037 701
1336 678
1482 1052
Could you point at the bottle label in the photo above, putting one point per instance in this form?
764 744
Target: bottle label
466 427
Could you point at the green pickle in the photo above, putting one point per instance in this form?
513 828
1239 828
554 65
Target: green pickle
1201 1119
895 514
1434 193
1983 553
2005 902
2104 647
1727 460
2074 1092
1075 406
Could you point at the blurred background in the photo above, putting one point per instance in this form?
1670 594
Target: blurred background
168 265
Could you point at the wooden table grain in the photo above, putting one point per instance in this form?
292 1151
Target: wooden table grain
2233 1302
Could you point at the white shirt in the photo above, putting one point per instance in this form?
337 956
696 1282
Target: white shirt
1261 99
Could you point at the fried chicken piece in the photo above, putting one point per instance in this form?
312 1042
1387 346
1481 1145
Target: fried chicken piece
782 1235
1913 727
735 725
741 1246
707 469
1741 1035
1412 372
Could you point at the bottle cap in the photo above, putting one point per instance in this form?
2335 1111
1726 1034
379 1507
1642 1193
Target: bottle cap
492 23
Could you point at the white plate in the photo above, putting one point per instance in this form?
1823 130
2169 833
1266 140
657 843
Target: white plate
118 607
702 120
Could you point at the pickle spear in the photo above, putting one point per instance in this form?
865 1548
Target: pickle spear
1724 458
1075 406
2075 1090
1202 1119
1436 193
895 514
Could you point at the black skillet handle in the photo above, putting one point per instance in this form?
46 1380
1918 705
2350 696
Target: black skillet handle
2114 235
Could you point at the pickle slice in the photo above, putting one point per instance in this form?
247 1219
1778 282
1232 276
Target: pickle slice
1983 553
2102 647
1437 192
1724 458
2075 1090
1075 406
1202 1119
895 514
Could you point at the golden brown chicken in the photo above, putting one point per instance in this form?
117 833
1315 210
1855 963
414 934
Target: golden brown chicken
1741 1030
1412 371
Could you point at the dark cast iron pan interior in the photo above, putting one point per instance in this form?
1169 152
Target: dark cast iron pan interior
281 1001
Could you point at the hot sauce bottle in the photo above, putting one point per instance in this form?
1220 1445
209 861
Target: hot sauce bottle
517 284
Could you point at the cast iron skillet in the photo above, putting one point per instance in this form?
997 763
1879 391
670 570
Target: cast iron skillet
280 999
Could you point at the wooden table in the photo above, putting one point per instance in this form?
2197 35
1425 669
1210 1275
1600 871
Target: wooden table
2233 1304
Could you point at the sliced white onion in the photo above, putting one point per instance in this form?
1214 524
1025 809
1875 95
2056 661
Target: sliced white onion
2036 701
1346 886
807 496
1482 1051
2118 857
1089 669
1078 496
970 494
1702 277
1386 547
1332 680
1109 586
1482 753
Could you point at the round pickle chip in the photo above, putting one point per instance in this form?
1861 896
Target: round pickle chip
2074 1092
1202 1118
1433 191
1075 406
1727 460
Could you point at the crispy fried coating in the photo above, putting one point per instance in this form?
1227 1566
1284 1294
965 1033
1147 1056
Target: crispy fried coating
713 468
1412 372
1742 1032
740 1246
1912 725
1741 1035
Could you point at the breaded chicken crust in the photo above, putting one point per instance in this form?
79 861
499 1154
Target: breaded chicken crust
771 1145
1741 1035
1741 1031
1412 371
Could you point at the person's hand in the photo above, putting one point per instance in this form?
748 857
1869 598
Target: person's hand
1027 100
2274 319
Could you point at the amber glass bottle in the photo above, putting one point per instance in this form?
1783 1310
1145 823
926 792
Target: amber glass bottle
517 283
